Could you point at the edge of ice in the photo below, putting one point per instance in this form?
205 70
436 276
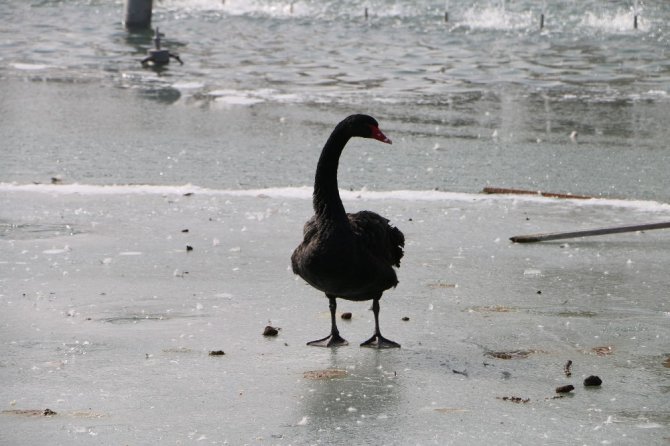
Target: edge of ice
305 192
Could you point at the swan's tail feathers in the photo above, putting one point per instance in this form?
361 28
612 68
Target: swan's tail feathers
397 244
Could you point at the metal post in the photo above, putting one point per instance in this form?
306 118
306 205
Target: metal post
138 14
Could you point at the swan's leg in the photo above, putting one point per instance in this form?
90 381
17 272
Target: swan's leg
377 340
334 339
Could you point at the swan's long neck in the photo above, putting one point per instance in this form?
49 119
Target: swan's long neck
326 199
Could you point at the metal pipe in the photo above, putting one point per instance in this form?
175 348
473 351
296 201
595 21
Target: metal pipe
138 14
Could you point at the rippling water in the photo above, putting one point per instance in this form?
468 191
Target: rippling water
326 50
486 97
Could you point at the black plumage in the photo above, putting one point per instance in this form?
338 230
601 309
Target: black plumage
350 256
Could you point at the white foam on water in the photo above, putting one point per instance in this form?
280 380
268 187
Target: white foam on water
240 7
188 85
197 5
238 100
29 66
612 22
252 97
496 18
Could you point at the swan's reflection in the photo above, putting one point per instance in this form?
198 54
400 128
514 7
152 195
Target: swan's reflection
369 394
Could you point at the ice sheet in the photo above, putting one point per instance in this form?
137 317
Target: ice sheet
108 320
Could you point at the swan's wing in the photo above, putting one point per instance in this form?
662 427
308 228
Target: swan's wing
298 257
380 238
310 228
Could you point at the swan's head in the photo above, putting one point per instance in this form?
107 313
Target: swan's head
365 126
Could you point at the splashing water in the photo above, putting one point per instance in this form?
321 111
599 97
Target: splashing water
494 18
612 22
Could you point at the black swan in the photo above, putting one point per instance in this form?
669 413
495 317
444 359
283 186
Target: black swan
350 256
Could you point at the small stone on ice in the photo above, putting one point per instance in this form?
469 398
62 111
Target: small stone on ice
565 389
270 331
592 381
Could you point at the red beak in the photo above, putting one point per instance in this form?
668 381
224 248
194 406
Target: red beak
378 135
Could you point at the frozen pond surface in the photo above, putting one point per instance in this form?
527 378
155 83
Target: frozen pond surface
108 321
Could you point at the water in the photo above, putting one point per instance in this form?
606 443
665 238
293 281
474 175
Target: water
107 319
486 98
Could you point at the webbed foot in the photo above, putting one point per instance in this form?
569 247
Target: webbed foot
333 340
379 341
